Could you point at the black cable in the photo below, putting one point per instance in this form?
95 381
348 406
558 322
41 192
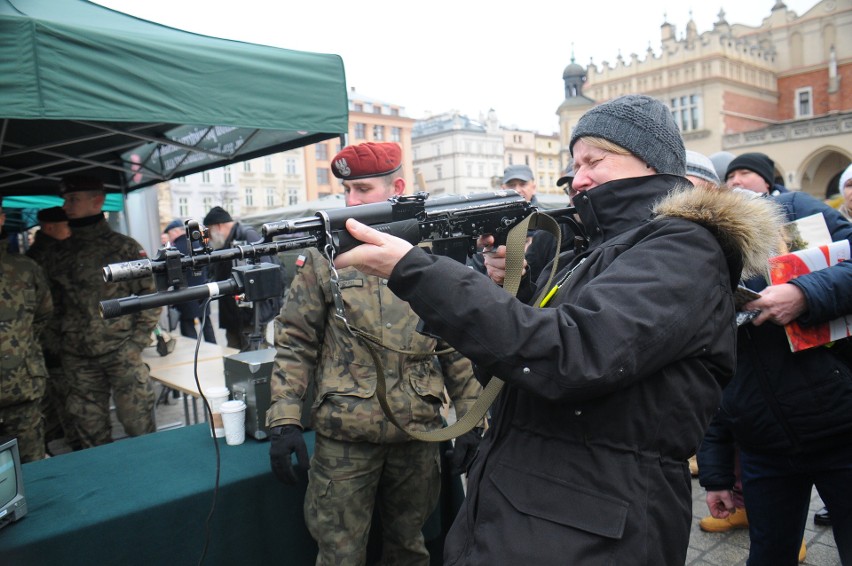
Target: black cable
209 412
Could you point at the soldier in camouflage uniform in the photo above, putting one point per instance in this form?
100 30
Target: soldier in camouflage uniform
360 458
25 308
101 357
46 250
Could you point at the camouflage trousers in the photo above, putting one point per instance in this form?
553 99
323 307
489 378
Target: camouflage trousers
57 421
24 421
346 481
121 374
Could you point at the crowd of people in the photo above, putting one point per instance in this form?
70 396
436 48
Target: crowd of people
632 368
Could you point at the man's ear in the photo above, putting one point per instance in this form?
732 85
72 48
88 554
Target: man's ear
399 186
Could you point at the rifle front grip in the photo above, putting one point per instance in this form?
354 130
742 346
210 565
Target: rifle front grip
408 230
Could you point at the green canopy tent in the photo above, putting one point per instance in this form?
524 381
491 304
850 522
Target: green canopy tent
87 90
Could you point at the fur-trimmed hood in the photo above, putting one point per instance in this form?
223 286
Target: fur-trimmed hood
747 226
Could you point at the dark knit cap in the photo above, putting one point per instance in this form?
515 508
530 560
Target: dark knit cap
757 162
53 214
640 124
78 183
217 215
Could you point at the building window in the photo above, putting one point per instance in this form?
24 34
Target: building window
267 164
482 170
270 196
360 131
379 133
207 203
438 172
394 111
183 206
686 111
437 148
226 174
358 107
205 176
377 109
247 166
804 102
396 134
249 196
322 176
469 167
292 196
291 166
322 151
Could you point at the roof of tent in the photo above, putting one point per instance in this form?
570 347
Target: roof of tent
85 89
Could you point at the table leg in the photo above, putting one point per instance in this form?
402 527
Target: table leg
185 409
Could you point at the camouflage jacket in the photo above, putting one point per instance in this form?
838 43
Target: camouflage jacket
25 308
314 350
46 251
78 274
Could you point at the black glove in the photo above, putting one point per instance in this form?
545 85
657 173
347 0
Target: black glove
462 454
283 441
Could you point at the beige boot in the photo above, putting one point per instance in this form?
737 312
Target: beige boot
693 466
736 520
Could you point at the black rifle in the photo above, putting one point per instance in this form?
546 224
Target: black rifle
451 224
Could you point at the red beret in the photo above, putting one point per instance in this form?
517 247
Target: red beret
366 160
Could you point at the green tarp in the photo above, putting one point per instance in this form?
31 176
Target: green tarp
85 89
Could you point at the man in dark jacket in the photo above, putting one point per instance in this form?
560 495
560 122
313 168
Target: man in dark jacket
790 414
608 389
239 322
190 311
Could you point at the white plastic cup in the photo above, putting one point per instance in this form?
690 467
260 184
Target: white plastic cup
215 397
234 419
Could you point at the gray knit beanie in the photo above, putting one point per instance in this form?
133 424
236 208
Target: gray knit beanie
640 124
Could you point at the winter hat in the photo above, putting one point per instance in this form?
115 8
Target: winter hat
217 215
699 165
721 160
366 160
53 214
640 124
757 162
844 179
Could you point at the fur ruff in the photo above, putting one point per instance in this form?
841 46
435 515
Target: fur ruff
748 225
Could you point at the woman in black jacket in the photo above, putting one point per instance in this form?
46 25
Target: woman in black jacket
610 386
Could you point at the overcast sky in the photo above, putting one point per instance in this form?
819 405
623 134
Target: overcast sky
467 55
